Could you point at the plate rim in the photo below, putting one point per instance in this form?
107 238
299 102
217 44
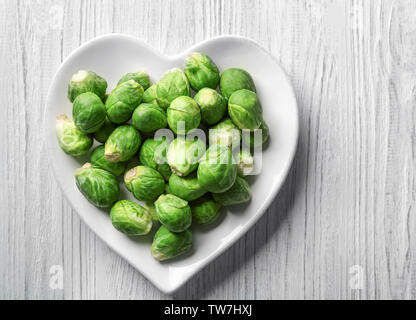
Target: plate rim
168 288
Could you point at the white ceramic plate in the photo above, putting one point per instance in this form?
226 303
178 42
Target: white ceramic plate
113 55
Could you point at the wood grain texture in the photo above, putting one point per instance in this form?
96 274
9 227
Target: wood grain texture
348 201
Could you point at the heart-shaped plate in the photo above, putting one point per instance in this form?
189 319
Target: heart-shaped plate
113 55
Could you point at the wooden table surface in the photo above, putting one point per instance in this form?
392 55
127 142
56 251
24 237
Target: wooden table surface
344 224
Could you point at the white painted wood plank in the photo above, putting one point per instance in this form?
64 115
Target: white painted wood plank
349 199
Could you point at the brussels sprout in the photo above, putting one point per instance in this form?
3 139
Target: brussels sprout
201 71
97 185
213 105
86 81
149 96
235 79
186 188
123 100
132 163
153 155
168 245
172 85
99 160
264 135
205 210
245 163
173 212
140 77
130 218
167 189
71 140
265 131
122 144
88 112
239 193
149 118
225 133
186 110
183 155
216 171
150 207
145 183
105 97
104 132
245 110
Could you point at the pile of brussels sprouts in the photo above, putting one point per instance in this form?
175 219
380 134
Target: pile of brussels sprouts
180 181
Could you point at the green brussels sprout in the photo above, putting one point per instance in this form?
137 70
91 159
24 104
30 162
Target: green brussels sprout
172 85
201 71
105 97
72 141
99 160
132 163
168 245
153 155
173 212
167 189
145 183
149 118
186 188
123 100
140 77
86 81
130 218
183 155
149 96
238 193
104 132
235 79
213 105
225 133
151 208
264 136
97 185
122 144
245 110
216 171
205 210
88 112
183 109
